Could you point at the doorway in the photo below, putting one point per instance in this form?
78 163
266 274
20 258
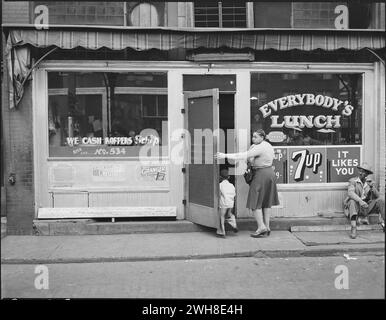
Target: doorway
227 124
209 104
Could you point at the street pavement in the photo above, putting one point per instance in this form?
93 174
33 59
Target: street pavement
223 278
193 265
177 246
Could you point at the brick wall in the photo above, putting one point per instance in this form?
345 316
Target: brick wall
15 11
18 154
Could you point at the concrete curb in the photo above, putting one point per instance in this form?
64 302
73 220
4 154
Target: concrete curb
307 252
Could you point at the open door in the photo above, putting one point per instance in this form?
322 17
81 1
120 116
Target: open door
202 179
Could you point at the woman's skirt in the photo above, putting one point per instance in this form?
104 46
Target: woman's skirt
263 190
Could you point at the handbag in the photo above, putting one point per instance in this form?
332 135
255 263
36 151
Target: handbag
248 175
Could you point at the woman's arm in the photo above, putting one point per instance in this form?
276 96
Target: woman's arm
254 152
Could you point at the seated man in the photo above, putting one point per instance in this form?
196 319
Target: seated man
362 199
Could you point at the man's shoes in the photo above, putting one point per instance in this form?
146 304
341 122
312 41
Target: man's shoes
353 233
365 221
382 225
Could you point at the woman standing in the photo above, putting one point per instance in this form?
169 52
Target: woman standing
262 190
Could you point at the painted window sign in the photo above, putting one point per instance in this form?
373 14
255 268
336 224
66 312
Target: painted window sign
120 141
303 121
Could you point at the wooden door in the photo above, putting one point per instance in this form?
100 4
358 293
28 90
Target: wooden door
202 178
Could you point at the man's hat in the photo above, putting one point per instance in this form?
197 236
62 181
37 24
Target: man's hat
365 166
224 173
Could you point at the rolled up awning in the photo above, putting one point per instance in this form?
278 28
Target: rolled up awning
168 38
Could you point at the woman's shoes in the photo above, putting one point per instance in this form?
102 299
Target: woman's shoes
259 234
268 232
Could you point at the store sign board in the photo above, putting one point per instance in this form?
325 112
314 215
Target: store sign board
280 164
307 165
342 163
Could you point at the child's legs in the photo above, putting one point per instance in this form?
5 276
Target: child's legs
231 218
228 213
222 213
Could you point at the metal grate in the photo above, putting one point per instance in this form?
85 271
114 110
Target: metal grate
220 15
234 16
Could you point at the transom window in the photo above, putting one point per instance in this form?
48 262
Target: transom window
220 15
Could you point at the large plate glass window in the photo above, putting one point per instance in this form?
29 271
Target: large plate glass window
95 114
314 121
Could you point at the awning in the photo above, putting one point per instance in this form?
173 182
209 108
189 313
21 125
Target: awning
169 38
119 38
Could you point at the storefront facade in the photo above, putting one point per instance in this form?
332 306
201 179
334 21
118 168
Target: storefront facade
315 181
109 137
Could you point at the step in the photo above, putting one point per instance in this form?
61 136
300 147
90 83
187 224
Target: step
328 228
343 225
94 227
98 227
3 227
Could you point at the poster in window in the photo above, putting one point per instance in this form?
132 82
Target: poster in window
307 165
342 163
280 165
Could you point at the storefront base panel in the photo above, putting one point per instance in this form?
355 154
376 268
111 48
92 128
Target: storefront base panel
106 212
298 203
109 199
309 203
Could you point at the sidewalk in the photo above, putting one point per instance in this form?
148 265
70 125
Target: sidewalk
183 246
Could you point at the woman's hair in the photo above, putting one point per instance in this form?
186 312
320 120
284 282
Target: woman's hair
260 132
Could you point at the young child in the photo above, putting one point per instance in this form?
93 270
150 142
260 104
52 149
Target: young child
227 200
